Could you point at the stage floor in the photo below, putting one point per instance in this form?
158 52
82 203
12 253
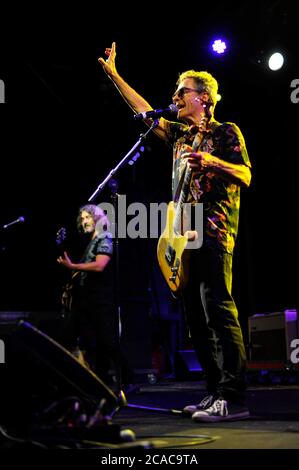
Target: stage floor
273 424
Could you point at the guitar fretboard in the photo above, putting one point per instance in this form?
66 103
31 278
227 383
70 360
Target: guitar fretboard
178 224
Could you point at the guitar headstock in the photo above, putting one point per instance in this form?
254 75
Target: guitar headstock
61 236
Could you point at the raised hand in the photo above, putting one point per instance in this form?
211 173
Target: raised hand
109 64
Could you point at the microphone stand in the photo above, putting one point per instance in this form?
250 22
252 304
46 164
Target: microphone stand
6 226
130 158
16 221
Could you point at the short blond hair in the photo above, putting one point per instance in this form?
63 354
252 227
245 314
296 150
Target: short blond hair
205 82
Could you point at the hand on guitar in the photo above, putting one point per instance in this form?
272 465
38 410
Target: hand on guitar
65 261
67 294
200 161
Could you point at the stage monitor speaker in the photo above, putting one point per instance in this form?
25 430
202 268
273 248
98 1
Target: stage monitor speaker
38 371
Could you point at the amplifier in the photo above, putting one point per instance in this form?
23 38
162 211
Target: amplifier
270 335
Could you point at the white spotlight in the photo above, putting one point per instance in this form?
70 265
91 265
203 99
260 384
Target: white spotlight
275 61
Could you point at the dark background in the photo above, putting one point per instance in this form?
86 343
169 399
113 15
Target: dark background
65 126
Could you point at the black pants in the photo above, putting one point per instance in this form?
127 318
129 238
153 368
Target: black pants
212 317
93 325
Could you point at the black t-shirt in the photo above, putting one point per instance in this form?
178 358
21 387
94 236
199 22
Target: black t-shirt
98 285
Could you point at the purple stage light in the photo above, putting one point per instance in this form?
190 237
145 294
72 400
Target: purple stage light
219 46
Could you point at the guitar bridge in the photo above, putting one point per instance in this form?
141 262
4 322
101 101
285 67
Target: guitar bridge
174 270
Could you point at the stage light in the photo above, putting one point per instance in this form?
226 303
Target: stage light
219 46
275 62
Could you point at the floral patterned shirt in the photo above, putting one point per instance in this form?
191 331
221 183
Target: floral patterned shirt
220 198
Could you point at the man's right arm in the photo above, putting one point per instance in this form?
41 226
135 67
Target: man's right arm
136 102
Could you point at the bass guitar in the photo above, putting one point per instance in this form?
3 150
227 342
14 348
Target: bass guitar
67 290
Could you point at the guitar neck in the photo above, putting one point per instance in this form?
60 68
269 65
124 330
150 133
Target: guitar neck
178 220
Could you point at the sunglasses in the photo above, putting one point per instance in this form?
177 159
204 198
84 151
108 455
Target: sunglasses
181 92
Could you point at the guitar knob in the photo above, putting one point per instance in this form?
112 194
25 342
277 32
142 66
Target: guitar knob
175 270
172 278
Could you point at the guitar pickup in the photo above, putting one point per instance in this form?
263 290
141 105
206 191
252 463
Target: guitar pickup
170 255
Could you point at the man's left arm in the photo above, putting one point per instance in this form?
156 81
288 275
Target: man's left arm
237 173
233 164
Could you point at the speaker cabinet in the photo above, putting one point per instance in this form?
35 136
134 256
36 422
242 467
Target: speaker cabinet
270 335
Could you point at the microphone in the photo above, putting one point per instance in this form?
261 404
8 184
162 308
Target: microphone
157 113
19 219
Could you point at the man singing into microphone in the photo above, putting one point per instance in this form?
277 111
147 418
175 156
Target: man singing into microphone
220 166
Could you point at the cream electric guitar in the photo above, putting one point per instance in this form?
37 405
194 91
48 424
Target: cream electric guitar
172 252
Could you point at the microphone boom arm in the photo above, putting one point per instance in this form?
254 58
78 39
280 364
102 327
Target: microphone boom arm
129 158
16 221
